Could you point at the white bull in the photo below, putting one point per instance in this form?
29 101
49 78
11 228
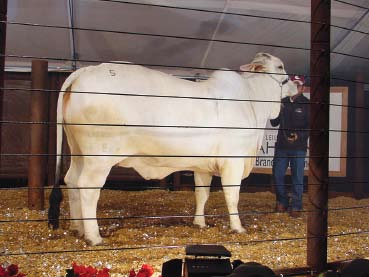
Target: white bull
155 152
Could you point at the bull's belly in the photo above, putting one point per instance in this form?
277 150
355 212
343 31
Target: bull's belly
154 154
159 168
156 157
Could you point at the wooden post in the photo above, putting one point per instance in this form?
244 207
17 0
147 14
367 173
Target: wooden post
360 121
37 168
317 226
3 17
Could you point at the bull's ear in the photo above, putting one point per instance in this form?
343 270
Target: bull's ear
248 67
253 67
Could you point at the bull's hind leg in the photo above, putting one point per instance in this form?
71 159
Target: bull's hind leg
71 179
92 178
202 191
231 177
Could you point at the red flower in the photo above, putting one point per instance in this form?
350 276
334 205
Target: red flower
89 271
2 271
103 273
145 271
12 269
78 269
132 273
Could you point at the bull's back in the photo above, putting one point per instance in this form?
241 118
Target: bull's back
126 95
113 108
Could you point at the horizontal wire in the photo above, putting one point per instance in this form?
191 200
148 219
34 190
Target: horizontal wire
93 250
207 11
11 122
235 14
245 213
349 29
350 55
172 156
160 65
155 35
178 126
183 246
161 126
134 187
348 80
166 96
179 37
217 12
130 63
124 187
143 95
348 3
171 96
187 37
174 97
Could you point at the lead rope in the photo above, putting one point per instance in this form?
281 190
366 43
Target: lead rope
281 117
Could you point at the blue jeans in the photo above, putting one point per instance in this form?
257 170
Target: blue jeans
296 160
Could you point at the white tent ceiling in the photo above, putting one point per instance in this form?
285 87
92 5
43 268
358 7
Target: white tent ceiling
256 33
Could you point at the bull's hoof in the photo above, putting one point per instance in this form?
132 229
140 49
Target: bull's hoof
239 230
95 242
91 243
199 223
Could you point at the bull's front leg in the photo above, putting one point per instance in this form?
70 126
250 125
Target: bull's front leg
231 176
202 191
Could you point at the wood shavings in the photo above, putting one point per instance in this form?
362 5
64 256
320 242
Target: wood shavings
127 238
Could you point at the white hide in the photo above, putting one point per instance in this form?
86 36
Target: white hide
121 142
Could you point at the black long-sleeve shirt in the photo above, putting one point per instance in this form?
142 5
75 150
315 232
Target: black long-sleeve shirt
293 118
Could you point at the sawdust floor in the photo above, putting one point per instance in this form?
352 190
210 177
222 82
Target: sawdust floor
272 239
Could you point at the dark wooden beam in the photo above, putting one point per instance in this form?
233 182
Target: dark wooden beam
37 169
3 17
317 226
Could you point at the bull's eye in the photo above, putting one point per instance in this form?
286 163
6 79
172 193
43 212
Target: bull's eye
280 67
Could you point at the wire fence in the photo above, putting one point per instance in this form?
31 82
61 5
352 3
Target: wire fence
163 217
242 243
136 94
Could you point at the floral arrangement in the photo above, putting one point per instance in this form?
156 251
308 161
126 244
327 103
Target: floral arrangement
10 271
79 271
145 271
86 271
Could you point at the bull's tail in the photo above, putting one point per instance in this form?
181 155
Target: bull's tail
56 195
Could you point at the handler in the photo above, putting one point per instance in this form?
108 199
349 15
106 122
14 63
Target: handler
290 148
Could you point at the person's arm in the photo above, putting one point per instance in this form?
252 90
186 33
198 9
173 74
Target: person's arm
275 122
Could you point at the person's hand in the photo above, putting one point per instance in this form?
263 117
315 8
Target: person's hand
292 137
